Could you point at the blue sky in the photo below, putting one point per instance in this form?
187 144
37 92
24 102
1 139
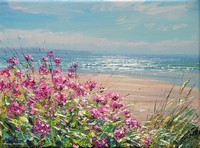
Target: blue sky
132 27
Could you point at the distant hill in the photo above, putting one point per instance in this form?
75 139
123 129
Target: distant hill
42 51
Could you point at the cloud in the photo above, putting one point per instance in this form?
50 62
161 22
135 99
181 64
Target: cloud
45 7
179 26
158 27
79 41
171 10
127 23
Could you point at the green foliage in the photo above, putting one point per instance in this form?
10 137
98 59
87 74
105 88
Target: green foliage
175 123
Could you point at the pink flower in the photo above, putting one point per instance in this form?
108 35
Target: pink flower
80 91
90 85
43 90
13 61
3 85
42 127
100 112
126 113
95 113
5 73
120 133
70 70
147 142
114 96
32 109
43 70
74 65
57 60
132 123
116 105
16 92
18 73
29 83
44 59
28 57
15 109
75 146
59 82
99 98
57 71
50 54
103 143
61 97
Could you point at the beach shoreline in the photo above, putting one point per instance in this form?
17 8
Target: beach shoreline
140 94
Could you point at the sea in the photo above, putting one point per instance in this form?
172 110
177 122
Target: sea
175 69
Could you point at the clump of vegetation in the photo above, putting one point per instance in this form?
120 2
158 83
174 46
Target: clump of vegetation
45 106
174 123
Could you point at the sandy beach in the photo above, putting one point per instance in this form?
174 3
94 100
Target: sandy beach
140 94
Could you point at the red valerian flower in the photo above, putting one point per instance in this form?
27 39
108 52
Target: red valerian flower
120 133
132 123
43 90
50 54
13 61
57 60
147 142
42 127
99 98
3 85
57 71
16 92
116 104
29 83
43 70
59 82
18 73
74 65
103 143
113 95
5 73
61 97
126 113
15 109
100 112
90 85
44 59
28 57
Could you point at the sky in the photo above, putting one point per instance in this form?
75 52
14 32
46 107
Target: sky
102 26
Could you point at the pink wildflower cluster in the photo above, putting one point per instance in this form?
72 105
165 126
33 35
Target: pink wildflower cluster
132 123
55 101
103 143
57 60
18 73
43 70
147 142
29 83
44 90
3 85
5 73
120 132
15 109
28 57
13 61
61 97
42 127
90 85
50 54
